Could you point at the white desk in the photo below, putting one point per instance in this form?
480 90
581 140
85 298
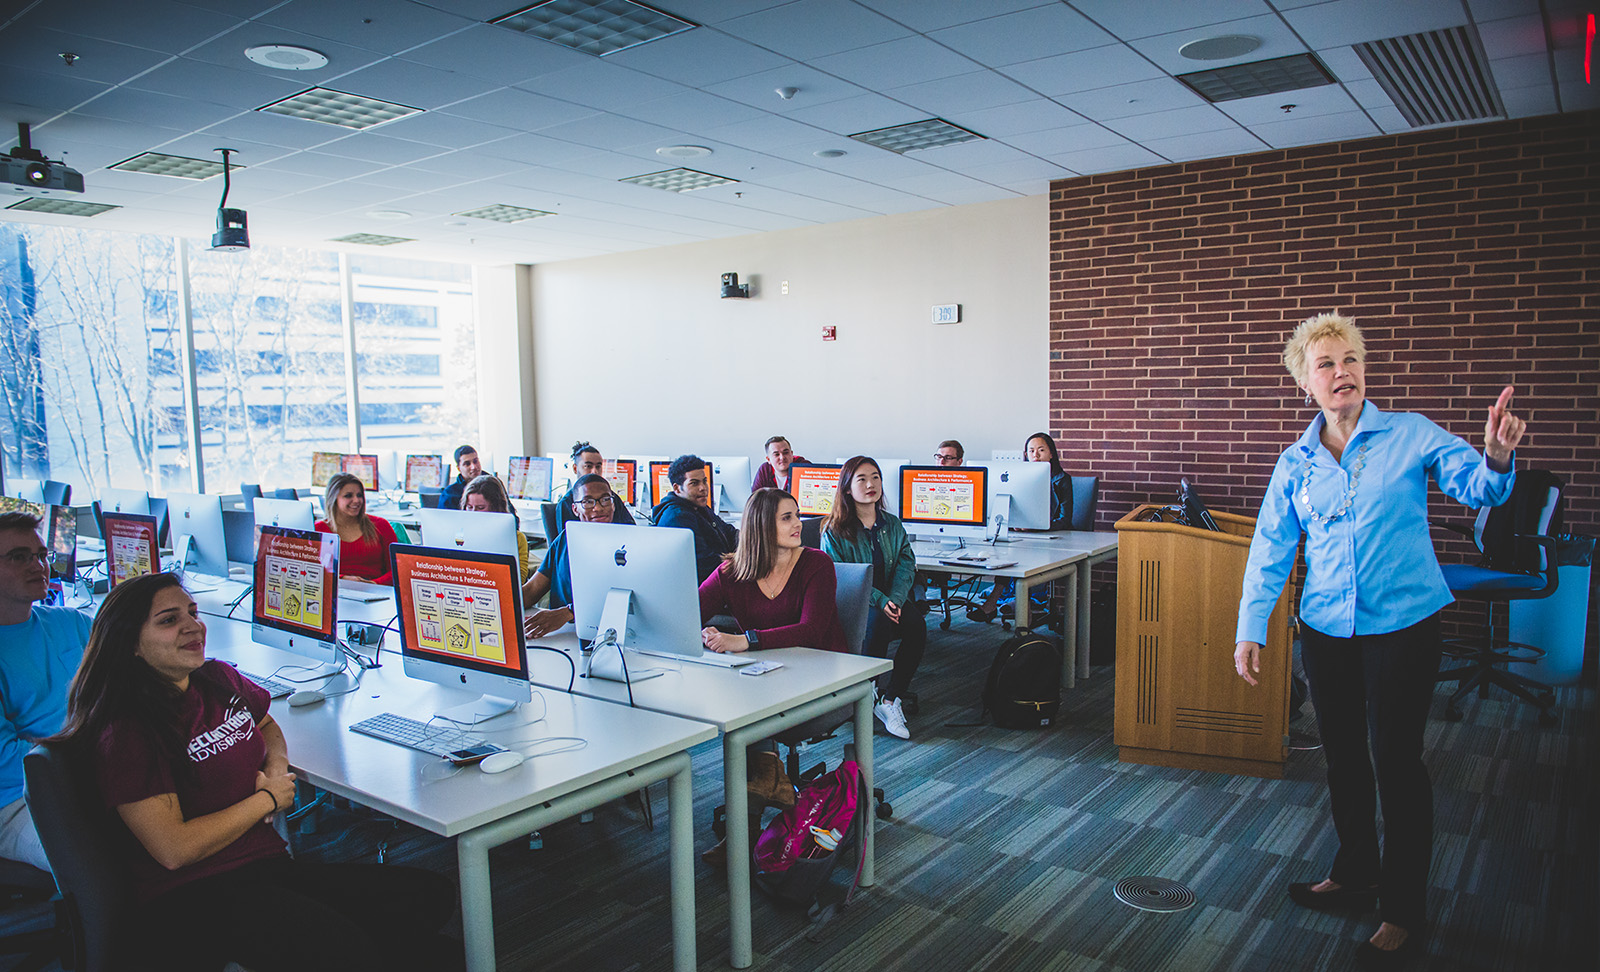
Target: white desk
745 709
1097 547
627 749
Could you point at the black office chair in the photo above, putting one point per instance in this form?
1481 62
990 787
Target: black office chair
158 509
550 515
57 494
1518 563
1085 497
811 532
430 497
25 886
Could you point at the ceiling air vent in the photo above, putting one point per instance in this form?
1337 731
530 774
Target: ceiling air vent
1434 78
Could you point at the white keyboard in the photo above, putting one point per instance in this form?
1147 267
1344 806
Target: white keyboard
275 688
433 738
713 658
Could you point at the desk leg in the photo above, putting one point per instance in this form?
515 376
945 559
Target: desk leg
680 842
477 905
1085 573
1020 607
863 740
737 799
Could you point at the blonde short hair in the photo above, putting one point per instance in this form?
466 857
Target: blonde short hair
1314 330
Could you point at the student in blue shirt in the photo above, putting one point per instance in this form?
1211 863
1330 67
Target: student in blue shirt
1355 485
40 648
590 500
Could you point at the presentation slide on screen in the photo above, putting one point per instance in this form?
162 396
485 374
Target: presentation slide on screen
59 524
949 496
294 585
131 548
460 608
812 487
621 475
364 468
424 472
324 465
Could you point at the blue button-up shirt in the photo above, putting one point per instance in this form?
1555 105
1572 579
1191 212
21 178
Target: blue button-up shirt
1371 570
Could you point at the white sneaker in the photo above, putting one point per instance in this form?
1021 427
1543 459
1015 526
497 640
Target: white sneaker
894 720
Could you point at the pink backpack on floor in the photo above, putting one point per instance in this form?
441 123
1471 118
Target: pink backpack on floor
792 857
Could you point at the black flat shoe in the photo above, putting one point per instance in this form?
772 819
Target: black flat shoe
1340 899
1370 956
978 613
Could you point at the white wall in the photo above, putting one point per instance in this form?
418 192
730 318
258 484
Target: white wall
505 366
639 354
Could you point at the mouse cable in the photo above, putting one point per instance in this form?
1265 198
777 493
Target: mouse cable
572 677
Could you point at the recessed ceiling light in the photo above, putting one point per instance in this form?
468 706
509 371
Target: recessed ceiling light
177 166
916 136
1220 48
286 57
683 151
61 207
597 27
371 239
829 153
339 108
678 180
389 215
1258 78
502 213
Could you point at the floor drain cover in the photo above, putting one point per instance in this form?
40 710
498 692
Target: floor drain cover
1154 894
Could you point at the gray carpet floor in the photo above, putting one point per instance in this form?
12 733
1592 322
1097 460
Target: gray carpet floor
1004 847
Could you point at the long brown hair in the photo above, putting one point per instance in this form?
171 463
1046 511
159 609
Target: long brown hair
114 684
492 489
757 552
330 506
843 520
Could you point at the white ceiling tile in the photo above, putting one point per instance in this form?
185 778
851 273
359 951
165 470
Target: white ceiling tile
1146 17
716 11
1008 120
770 133
1525 71
964 93
331 168
930 15
388 27
39 49
1111 158
412 179
202 145
902 61
228 51
118 133
411 84
608 87
1207 145
698 57
274 129
1317 129
1528 102
1070 139
863 113
1097 67
1138 98
378 148
1169 124
1389 119
1496 9
1513 36
1328 99
1026 35
1344 63
961 156
216 84
338 198
522 110
159 25
1006 173
810 29
1368 93
529 149
1344 22
496 54
149 108
446 131
31 96
761 90
694 112
612 132
1277 40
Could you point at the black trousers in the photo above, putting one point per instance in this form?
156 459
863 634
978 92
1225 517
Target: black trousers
912 633
283 914
1376 689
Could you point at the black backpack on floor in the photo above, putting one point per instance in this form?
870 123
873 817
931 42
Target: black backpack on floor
1024 686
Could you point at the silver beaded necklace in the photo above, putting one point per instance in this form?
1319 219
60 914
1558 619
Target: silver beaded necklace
1349 494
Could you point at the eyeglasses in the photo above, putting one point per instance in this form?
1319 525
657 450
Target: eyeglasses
18 558
942 459
590 503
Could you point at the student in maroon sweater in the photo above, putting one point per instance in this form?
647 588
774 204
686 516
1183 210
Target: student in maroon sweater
775 471
184 753
780 592
363 540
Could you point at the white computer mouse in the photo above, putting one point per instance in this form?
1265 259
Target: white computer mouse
500 762
306 697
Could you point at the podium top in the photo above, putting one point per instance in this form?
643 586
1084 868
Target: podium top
1236 530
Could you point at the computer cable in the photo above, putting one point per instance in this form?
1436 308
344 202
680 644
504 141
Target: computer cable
572 677
609 639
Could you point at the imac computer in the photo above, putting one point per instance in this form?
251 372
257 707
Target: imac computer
124 501
1027 484
812 485
732 476
31 490
661 483
295 514
469 530
59 525
239 536
561 475
131 546
324 466
424 472
1008 455
461 626
623 475
639 585
945 502
294 603
362 466
530 478
198 540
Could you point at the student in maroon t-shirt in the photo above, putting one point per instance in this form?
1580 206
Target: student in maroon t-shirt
184 751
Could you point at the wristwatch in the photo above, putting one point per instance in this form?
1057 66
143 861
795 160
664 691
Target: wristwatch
752 637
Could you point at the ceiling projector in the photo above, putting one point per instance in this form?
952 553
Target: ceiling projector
27 171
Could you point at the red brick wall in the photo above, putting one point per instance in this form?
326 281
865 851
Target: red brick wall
1470 257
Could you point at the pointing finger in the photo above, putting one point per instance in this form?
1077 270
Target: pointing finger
1505 398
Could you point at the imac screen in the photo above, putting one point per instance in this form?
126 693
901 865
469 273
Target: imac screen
812 485
661 483
530 477
363 467
460 608
947 495
297 581
131 548
323 467
424 472
622 473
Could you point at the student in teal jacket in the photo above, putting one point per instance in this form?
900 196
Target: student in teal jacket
860 530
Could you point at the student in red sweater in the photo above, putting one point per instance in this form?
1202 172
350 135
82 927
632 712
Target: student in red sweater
363 540
775 471
780 592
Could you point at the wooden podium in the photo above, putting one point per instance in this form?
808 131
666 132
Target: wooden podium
1179 701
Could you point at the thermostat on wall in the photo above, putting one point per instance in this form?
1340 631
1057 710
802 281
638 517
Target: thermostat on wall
947 313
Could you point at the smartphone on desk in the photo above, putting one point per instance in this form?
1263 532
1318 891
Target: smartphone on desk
466 757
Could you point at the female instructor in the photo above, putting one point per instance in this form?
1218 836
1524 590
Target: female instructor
1355 485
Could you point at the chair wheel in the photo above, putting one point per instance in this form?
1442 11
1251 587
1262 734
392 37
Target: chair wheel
1547 699
1548 719
944 625
1454 715
1005 625
885 811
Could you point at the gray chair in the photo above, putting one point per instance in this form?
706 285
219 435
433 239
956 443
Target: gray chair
430 497
1085 497
25 886
853 598
57 494
550 515
249 492
284 492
